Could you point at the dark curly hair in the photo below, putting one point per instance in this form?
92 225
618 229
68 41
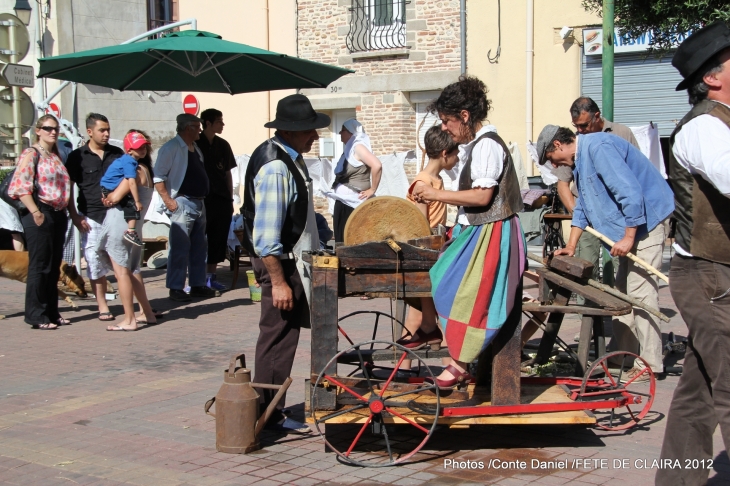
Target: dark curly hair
468 93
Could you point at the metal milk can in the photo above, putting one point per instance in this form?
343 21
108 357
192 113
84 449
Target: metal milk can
237 423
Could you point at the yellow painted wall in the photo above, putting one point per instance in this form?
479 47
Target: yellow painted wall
246 22
556 69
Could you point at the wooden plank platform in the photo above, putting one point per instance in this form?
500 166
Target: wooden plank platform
478 397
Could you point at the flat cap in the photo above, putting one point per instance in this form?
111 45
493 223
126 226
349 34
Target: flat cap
544 140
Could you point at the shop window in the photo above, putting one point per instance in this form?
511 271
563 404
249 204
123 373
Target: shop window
161 13
376 25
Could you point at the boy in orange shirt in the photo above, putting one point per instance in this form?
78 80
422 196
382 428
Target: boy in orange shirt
421 329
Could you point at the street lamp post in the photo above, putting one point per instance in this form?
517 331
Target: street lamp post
23 10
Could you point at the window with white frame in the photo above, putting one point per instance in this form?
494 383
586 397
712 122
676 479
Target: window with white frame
377 24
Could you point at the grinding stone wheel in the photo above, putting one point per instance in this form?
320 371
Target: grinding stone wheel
383 217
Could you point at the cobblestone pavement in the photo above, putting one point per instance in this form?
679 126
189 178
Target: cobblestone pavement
83 406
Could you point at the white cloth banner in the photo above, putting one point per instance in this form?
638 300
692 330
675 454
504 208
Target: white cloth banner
238 173
514 151
9 218
236 224
546 170
648 138
394 181
322 174
152 214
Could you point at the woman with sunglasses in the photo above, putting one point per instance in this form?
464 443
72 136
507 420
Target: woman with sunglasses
43 186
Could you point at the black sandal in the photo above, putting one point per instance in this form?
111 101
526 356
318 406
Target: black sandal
46 326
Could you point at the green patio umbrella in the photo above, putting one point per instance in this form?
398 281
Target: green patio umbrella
190 60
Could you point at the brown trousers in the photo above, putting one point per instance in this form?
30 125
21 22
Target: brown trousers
278 332
701 290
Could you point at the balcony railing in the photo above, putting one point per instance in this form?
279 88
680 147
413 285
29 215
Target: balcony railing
155 23
376 25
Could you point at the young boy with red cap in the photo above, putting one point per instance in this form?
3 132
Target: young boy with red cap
125 167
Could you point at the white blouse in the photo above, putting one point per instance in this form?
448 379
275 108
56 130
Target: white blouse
486 164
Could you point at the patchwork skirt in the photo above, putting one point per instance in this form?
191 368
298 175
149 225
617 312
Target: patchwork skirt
474 284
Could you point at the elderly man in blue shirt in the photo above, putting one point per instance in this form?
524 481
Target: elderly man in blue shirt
280 224
182 183
622 195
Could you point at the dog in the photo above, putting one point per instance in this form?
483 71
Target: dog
14 265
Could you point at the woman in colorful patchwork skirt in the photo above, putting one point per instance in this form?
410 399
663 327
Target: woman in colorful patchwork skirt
477 280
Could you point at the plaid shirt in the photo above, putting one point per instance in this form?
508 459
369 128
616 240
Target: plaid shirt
275 191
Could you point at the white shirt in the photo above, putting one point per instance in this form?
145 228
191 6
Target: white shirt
702 147
486 164
171 166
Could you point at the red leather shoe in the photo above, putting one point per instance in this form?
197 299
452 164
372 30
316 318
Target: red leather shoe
460 380
420 341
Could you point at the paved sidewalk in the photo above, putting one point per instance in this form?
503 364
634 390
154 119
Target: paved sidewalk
80 405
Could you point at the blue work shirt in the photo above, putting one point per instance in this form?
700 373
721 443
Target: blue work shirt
618 187
125 167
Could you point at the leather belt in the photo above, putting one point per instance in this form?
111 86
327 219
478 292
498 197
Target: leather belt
286 256
191 197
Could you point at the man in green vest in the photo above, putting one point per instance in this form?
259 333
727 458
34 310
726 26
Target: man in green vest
699 279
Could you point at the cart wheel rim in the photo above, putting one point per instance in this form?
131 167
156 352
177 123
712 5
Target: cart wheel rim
371 407
593 388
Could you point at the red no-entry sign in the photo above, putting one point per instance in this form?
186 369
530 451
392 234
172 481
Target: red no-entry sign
54 110
191 105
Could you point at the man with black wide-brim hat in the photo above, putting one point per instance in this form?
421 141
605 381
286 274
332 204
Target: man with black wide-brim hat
699 279
280 224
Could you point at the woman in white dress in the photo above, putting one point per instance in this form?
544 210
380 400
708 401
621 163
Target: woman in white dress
357 174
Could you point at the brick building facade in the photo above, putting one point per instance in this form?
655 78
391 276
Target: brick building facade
401 52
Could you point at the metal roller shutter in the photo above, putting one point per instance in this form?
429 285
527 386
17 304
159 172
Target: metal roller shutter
643 90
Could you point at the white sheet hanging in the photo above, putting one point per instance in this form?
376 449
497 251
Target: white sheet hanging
546 170
514 151
648 138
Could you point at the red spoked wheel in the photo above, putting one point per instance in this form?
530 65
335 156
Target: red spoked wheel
391 417
608 379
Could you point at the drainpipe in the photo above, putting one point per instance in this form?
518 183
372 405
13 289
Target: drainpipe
462 17
607 61
268 48
528 77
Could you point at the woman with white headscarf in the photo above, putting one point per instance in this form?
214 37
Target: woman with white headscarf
353 174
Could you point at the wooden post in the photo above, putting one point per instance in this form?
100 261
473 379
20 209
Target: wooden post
499 364
506 365
325 273
554 321
584 345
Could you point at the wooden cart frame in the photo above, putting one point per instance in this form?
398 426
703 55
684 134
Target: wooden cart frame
498 395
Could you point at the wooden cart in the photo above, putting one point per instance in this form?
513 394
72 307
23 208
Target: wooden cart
366 385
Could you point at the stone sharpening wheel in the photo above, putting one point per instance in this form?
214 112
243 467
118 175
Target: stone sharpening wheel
383 217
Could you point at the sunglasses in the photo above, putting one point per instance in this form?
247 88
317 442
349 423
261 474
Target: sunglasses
48 129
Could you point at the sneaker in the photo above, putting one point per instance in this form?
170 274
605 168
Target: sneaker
132 237
179 295
204 292
288 426
214 284
638 375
